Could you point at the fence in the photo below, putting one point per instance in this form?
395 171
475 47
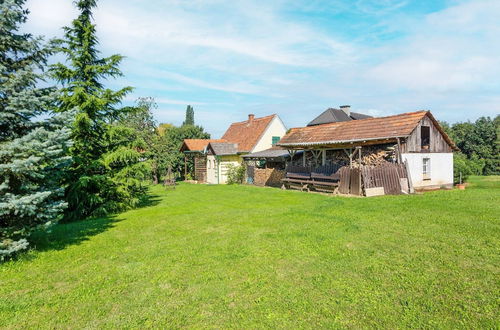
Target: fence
392 177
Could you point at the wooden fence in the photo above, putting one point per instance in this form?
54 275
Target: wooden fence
387 175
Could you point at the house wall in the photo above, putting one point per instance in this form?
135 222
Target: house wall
217 167
437 142
441 169
275 128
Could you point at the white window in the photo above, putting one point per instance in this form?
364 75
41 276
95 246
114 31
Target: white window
426 168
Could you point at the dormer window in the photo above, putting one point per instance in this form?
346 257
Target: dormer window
425 137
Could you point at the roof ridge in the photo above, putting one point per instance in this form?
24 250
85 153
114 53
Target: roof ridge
362 120
257 118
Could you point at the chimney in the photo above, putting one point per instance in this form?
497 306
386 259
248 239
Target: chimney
346 109
251 117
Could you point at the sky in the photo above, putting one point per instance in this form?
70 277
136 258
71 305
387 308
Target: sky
296 58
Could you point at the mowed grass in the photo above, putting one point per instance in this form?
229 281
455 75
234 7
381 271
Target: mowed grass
246 257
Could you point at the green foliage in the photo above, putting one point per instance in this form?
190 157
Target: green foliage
464 167
189 116
478 140
235 174
106 173
170 143
216 256
32 152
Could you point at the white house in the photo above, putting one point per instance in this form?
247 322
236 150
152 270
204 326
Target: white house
251 135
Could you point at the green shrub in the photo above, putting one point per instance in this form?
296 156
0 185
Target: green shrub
463 165
235 174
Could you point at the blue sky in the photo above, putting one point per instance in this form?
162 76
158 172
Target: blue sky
298 57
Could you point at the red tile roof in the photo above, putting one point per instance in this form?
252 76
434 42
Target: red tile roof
358 130
247 133
197 144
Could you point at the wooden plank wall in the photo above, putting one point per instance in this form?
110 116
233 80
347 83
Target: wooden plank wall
387 176
200 168
437 142
345 180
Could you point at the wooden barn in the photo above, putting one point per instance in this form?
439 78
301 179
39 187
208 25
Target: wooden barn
393 154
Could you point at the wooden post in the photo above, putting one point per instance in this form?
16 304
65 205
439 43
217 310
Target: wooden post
400 158
323 160
185 167
304 158
410 183
359 173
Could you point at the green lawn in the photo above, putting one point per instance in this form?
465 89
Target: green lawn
248 257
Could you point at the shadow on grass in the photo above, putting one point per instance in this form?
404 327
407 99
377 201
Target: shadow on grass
64 234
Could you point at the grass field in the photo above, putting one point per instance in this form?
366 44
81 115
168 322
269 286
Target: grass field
248 257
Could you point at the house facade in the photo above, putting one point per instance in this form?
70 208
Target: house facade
251 135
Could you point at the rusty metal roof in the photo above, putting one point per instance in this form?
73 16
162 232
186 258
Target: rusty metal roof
361 130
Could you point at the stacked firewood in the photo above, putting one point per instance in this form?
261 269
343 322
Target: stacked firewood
374 157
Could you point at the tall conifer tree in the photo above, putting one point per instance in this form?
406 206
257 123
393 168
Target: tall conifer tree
103 178
32 153
189 116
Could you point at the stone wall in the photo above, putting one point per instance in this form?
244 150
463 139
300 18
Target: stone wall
268 177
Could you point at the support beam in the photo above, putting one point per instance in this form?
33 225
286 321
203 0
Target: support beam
323 159
304 158
358 149
185 166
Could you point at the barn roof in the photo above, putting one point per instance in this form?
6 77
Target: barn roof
273 152
390 127
247 133
332 115
197 144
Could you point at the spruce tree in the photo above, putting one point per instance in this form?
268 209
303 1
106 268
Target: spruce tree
189 116
106 171
32 153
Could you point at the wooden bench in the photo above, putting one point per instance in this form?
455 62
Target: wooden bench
297 177
325 178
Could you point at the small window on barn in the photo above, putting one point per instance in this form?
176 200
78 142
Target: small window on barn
426 168
276 139
425 137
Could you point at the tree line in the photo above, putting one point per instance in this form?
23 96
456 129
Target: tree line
70 151
479 144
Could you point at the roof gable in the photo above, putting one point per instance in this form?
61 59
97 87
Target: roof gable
197 144
332 115
247 133
401 125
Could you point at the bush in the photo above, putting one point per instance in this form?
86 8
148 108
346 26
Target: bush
467 167
235 174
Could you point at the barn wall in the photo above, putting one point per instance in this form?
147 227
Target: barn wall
437 142
441 169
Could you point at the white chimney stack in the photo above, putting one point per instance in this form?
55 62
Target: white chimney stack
346 109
